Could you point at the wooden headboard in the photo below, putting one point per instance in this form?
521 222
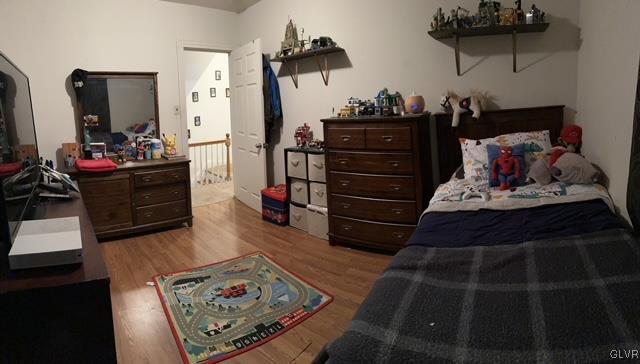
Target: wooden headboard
490 124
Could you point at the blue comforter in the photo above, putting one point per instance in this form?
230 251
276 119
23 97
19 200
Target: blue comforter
492 227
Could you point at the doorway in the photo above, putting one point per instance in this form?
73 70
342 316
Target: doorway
207 111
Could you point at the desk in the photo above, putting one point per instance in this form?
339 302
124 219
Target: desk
59 314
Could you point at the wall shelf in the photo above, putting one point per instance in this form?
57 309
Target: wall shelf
320 55
484 31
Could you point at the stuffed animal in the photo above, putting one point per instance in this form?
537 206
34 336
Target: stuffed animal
570 140
474 103
506 169
169 142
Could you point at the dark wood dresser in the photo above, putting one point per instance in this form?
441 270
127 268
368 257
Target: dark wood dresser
136 197
378 178
58 314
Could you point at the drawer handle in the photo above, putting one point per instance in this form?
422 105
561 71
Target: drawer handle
343 162
146 179
345 205
297 188
395 187
347 227
147 196
175 175
295 162
397 211
387 138
393 163
318 165
346 138
345 183
176 210
319 193
398 235
176 193
297 216
148 214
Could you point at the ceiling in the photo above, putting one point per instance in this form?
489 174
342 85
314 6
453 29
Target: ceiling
237 6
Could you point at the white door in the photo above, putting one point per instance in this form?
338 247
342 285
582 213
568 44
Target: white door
247 124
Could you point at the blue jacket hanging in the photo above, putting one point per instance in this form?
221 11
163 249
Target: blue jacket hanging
271 94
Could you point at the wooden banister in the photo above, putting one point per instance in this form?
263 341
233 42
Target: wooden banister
211 148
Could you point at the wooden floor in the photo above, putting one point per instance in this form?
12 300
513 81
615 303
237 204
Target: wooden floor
222 231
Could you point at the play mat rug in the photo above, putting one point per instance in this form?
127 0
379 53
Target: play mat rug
224 309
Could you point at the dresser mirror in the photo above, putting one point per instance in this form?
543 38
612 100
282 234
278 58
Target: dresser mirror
118 107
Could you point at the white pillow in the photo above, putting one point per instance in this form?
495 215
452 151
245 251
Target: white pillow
476 161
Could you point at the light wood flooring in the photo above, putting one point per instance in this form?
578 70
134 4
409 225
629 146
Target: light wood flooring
221 231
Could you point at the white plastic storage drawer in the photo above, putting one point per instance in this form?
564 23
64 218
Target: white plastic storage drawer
299 191
317 170
296 165
298 217
317 221
318 193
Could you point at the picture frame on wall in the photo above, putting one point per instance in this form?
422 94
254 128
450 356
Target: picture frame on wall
196 121
212 92
228 92
218 75
194 97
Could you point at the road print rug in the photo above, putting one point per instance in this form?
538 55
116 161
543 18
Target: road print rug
224 309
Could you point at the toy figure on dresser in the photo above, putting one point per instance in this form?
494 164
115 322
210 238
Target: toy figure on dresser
366 108
452 102
351 109
316 144
387 104
169 142
303 135
121 155
140 155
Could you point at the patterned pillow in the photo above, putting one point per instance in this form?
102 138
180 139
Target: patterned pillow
475 160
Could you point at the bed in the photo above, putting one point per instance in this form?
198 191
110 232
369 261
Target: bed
554 281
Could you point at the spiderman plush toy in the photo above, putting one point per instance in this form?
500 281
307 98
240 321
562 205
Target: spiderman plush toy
506 169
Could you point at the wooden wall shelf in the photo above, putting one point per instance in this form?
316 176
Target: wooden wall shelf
484 31
316 54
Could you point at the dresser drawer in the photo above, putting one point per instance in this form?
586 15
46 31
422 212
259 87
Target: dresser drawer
318 193
392 187
298 217
374 232
160 194
299 191
389 138
317 168
345 138
161 177
402 212
382 163
296 165
165 211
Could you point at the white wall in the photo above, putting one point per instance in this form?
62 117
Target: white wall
387 46
48 39
214 112
607 79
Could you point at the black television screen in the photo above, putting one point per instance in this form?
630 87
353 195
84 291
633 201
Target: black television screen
19 170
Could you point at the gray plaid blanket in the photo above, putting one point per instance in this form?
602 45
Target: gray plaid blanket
574 299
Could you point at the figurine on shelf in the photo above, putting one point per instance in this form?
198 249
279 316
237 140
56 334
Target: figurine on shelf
323 42
303 135
519 12
316 143
507 16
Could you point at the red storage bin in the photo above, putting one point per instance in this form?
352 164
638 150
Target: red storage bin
275 205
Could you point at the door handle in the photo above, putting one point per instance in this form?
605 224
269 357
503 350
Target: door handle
262 145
